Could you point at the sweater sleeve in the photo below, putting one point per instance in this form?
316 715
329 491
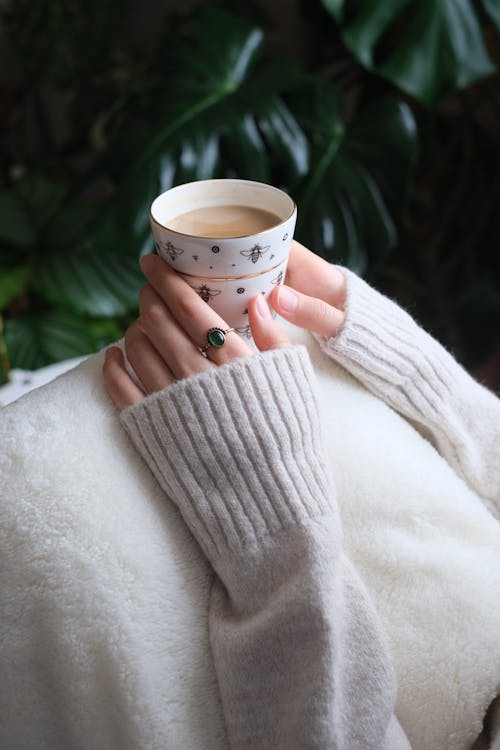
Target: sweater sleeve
300 656
384 348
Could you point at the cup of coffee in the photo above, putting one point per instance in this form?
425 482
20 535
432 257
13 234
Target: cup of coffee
229 239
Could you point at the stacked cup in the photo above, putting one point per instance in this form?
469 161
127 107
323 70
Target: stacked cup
229 239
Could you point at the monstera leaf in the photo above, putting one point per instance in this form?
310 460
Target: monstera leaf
12 283
424 47
356 174
36 340
16 227
216 121
492 7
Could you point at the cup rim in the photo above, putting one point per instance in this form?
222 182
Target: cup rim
232 237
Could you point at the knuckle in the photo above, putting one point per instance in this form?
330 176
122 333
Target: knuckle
320 311
276 340
110 372
133 331
144 296
185 370
134 338
115 380
153 315
187 305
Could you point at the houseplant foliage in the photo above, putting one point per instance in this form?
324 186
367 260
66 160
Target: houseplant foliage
445 57
439 47
116 124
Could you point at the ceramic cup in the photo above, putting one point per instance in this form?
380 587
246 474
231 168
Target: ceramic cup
226 271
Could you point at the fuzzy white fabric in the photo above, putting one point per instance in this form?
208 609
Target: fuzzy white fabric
104 594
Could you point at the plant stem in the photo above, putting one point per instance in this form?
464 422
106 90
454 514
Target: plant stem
189 114
324 163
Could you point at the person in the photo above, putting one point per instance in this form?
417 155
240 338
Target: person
233 436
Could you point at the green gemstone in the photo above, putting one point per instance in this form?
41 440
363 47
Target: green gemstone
216 337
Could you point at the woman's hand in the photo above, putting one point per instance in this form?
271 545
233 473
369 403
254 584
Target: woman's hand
164 344
314 295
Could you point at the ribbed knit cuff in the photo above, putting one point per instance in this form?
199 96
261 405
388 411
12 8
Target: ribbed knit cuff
384 348
237 448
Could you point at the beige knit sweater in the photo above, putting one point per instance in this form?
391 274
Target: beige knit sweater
300 655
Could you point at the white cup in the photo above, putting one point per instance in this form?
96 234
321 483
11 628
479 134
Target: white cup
226 271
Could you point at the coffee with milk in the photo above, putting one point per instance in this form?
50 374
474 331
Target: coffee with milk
224 221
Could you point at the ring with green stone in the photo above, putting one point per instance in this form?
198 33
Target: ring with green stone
216 337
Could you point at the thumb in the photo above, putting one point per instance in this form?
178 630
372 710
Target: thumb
307 312
266 332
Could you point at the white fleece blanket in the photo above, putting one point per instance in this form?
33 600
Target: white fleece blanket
104 595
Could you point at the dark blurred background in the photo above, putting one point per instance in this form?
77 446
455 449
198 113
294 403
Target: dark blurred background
381 119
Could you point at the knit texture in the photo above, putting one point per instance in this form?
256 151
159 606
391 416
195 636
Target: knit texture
300 656
217 443
104 593
382 346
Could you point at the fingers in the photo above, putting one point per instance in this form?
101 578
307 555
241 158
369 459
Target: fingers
175 349
314 276
266 332
307 312
194 316
148 365
119 385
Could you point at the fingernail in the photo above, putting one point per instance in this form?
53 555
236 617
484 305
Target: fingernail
108 353
287 299
147 262
263 308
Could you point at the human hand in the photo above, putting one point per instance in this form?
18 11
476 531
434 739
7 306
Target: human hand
314 295
164 344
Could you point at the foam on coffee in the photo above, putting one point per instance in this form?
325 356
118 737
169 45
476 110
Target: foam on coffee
224 221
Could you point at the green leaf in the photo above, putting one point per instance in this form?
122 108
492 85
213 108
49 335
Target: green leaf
342 211
39 340
68 224
198 153
12 283
16 225
90 280
336 8
373 19
99 275
225 49
492 7
363 207
105 331
424 47
209 68
285 138
245 148
211 112
385 138
40 197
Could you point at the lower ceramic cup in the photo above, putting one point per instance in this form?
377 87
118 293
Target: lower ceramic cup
226 271
230 297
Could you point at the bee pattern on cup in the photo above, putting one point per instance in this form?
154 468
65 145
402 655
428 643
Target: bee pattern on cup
255 252
244 331
278 279
205 293
171 250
